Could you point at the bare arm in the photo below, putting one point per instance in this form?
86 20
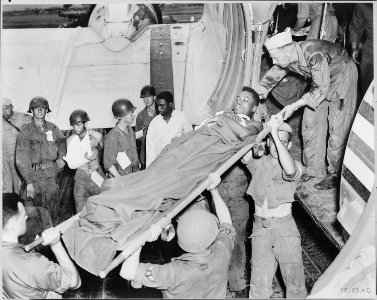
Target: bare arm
51 237
222 210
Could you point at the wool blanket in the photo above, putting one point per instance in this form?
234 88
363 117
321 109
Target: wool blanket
129 203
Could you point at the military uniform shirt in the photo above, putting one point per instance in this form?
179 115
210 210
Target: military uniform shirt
30 275
33 148
120 141
202 275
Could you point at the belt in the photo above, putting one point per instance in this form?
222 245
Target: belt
267 222
42 166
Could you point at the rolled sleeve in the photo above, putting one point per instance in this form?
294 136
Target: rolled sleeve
50 276
156 276
321 80
297 175
226 236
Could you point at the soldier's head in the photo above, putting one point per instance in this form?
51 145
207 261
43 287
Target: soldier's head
246 102
196 231
14 215
148 94
165 103
285 135
281 48
123 109
7 108
39 107
78 119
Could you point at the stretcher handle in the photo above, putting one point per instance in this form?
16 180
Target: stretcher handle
140 240
61 227
34 244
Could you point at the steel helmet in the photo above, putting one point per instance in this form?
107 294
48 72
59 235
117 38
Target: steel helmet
78 115
122 107
197 229
38 102
147 91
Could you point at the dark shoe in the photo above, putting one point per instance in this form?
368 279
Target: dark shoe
242 294
330 181
306 177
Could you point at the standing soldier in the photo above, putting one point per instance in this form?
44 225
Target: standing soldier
39 156
144 117
83 155
120 154
330 105
13 121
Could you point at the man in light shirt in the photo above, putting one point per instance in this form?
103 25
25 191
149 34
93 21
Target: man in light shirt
163 128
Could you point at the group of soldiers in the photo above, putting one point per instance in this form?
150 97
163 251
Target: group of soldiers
35 151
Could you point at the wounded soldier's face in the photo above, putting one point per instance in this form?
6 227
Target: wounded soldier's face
245 104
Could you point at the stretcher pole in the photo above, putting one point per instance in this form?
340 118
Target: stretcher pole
141 239
61 228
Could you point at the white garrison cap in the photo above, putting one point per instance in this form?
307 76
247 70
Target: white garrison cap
279 40
7 101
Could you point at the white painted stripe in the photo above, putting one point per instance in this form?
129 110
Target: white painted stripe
369 95
359 169
364 130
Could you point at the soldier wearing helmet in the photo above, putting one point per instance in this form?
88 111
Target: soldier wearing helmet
200 273
144 117
120 154
39 157
83 155
13 121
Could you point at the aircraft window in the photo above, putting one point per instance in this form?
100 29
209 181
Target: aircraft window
68 15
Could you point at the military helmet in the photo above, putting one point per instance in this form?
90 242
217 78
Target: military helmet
122 107
38 102
147 91
78 115
197 229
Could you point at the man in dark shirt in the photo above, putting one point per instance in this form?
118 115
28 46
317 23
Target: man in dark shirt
144 117
362 22
330 105
120 154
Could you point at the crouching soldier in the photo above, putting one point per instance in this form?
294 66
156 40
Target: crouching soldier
30 275
83 155
39 157
200 273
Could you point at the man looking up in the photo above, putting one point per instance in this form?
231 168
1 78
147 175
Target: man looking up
163 128
30 275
